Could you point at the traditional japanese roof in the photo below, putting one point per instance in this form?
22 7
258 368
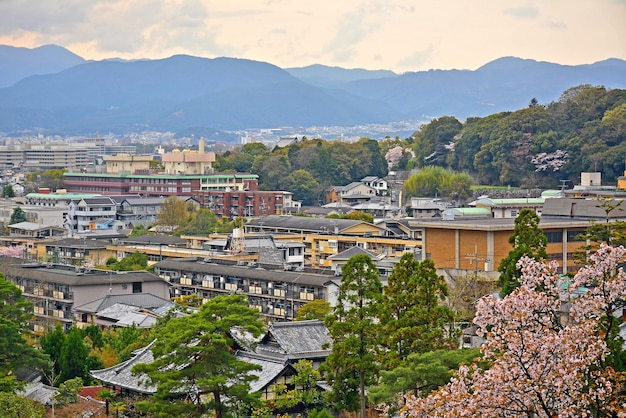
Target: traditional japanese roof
39 392
270 369
296 340
78 243
127 315
120 374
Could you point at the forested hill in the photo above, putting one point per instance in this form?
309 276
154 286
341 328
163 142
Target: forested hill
534 147
585 130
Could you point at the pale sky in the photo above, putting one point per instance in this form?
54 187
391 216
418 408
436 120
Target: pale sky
398 35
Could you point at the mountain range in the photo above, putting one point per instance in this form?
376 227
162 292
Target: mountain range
51 89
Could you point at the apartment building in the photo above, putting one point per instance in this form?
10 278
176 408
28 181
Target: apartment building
277 294
54 289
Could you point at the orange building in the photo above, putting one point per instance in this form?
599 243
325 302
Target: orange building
481 243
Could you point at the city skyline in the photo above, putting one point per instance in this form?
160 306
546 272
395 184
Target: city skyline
397 35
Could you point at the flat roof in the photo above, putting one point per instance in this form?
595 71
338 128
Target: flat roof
497 224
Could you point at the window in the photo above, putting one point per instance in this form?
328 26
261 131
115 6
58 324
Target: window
554 236
137 287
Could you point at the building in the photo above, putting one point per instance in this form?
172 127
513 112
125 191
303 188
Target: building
75 251
86 214
324 237
36 157
189 162
353 193
56 289
277 294
244 203
157 185
128 163
380 185
481 243
136 309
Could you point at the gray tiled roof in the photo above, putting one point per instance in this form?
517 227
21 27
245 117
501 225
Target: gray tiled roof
299 339
241 271
351 252
39 392
127 315
78 243
70 276
120 374
139 300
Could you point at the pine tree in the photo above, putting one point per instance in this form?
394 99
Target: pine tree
356 331
194 358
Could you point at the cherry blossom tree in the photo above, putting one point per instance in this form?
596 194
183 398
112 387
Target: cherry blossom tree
547 344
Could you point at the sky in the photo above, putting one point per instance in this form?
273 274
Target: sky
397 35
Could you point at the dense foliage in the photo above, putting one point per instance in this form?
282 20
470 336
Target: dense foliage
585 130
15 352
194 355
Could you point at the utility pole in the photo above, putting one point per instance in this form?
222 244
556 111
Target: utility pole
475 258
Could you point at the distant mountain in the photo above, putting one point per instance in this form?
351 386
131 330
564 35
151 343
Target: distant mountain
324 76
19 63
182 91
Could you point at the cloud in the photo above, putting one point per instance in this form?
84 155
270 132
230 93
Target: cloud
523 12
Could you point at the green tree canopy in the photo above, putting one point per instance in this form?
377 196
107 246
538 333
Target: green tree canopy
413 316
316 309
17 216
195 355
174 213
355 328
7 190
15 352
527 240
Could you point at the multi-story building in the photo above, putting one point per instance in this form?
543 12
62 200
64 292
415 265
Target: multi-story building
55 289
75 251
156 185
277 294
324 237
246 203
82 214
34 157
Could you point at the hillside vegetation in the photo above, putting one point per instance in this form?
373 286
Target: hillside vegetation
535 147
585 130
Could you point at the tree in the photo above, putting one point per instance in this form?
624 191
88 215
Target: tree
421 374
413 316
51 343
17 216
73 360
356 332
173 213
464 293
50 179
527 240
194 356
546 344
133 262
204 222
68 391
316 309
305 391
7 190
303 186
15 352
15 406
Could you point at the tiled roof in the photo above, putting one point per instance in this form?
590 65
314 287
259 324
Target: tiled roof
299 339
303 223
140 300
120 375
351 252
